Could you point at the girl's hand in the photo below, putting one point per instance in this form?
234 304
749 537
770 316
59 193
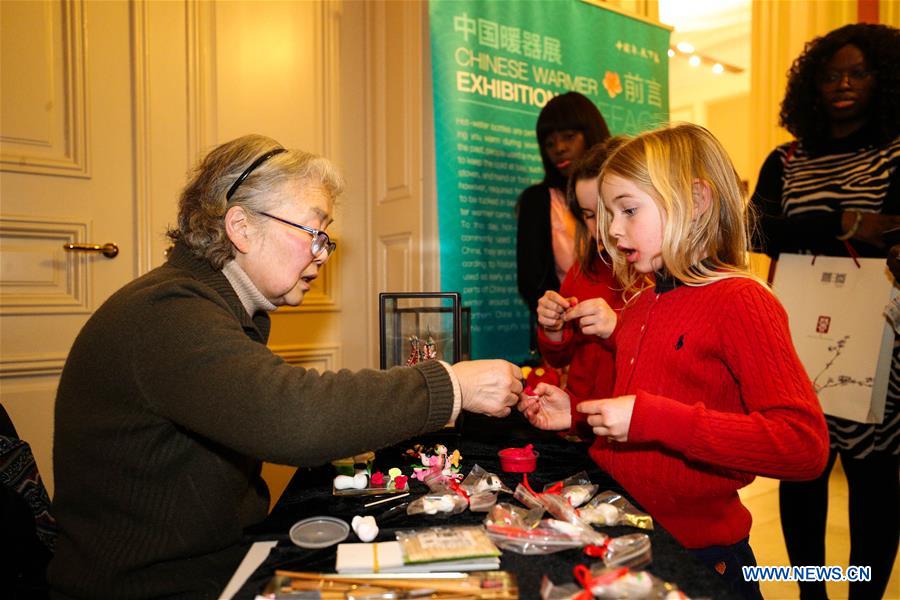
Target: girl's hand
610 418
550 310
595 317
547 408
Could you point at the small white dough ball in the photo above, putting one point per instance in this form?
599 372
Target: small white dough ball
563 527
343 482
442 504
366 528
577 495
607 514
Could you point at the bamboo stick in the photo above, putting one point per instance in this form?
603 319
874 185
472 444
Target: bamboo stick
467 585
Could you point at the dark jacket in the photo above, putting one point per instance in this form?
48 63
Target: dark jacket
167 404
535 267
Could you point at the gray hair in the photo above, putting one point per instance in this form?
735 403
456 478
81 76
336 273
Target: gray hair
202 206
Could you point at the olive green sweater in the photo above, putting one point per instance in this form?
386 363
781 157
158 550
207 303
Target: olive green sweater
167 404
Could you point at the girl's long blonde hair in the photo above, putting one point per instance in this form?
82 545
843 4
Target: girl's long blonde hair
699 247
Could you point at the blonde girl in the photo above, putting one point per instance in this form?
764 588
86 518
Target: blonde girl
709 391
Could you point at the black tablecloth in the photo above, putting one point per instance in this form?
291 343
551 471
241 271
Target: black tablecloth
309 494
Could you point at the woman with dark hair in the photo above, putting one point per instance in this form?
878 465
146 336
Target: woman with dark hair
568 125
835 191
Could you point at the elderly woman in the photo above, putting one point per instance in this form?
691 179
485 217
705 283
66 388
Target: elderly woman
170 399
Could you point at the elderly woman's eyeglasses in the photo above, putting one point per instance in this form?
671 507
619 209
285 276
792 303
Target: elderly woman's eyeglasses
320 242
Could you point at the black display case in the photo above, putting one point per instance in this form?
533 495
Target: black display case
417 326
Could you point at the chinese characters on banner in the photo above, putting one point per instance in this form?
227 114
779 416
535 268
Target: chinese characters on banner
494 66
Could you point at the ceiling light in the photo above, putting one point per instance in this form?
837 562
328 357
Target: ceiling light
685 47
697 58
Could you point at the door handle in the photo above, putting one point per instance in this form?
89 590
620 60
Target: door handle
109 250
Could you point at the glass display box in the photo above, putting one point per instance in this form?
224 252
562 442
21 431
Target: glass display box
417 326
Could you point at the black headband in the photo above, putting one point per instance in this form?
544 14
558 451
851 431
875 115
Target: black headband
237 182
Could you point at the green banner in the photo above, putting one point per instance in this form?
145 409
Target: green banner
495 64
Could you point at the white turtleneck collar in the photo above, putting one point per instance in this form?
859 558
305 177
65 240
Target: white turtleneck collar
249 295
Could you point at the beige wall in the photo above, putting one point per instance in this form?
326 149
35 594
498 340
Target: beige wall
729 120
195 74
344 79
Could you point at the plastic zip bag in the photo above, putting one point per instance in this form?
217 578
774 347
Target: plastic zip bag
606 582
576 489
560 509
610 508
522 531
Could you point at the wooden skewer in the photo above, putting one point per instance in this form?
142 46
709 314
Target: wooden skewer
403 584
396 497
375 578
468 585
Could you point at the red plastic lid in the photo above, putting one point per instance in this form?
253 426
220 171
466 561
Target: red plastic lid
518 453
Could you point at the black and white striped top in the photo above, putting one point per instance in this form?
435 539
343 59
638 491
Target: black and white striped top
800 198
854 180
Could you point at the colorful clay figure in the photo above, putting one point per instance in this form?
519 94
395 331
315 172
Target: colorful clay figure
440 465
413 357
420 350
429 352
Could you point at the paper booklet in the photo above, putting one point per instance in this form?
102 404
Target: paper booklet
387 557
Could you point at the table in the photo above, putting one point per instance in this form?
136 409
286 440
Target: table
309 494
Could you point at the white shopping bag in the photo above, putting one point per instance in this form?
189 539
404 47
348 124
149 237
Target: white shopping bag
836 312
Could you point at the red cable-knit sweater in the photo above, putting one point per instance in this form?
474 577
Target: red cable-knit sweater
591 364
721 397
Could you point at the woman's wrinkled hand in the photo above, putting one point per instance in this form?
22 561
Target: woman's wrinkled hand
489 387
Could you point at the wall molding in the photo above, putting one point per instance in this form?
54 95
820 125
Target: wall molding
69 295
50 365
322 357
71 156
143 154
394 50
199 18
396 251
329 50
